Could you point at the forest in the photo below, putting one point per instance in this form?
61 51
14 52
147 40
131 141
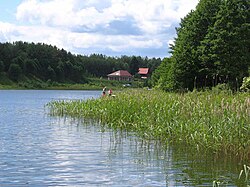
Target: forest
22 60
212 48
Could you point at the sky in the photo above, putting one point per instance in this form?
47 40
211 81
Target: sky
109 27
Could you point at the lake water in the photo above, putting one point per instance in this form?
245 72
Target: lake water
37 149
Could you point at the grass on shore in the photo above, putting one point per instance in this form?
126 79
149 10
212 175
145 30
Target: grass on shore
35 83
207 121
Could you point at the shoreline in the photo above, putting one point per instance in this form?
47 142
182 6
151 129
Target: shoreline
59 87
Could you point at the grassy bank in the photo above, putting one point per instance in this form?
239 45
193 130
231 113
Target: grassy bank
35 83
46 86
208 121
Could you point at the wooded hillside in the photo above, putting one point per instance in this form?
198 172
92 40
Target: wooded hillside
47 62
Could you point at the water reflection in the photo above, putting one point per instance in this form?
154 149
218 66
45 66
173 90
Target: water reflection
153 163
41 150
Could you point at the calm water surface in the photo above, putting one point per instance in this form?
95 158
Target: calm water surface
40 150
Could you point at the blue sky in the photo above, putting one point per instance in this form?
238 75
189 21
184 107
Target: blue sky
109 27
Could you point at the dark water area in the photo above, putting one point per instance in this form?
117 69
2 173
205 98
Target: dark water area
37 149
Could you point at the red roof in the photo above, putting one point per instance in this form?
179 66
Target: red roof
143 71
120 73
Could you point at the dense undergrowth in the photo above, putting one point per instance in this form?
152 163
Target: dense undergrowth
207 121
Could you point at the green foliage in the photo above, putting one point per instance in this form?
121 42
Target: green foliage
193 29
222 88
48 62
14 72
134 65
1 66
51 73
32 66
226 46
163 76
4 79
212 46
207 121
246 84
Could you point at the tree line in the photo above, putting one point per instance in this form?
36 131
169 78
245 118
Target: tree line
212 47
47 62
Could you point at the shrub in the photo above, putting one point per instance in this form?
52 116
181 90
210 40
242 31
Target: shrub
222 88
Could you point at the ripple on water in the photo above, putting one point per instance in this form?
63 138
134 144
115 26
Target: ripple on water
40 150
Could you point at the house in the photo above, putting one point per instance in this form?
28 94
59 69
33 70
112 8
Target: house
144 72
121 75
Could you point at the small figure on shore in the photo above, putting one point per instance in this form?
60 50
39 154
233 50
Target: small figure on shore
104 91
110 92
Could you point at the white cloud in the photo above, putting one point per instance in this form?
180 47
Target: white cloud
6 30
57 21
68 40
6 27
150 16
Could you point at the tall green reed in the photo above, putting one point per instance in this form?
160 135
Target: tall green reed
245 172
207 121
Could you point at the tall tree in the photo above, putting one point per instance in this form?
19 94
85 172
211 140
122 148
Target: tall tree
226 48
212 45
134 65
192 31
163 76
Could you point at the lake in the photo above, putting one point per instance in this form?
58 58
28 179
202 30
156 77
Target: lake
37 149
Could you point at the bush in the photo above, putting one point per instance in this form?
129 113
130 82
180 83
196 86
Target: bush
246 84
222 88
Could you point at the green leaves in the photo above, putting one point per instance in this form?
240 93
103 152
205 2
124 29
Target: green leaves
1 66
227 50
212 46
246 84
14 72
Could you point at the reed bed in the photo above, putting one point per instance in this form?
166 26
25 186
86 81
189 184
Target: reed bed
207 121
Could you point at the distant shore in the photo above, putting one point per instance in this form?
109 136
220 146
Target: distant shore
49 87
91 84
